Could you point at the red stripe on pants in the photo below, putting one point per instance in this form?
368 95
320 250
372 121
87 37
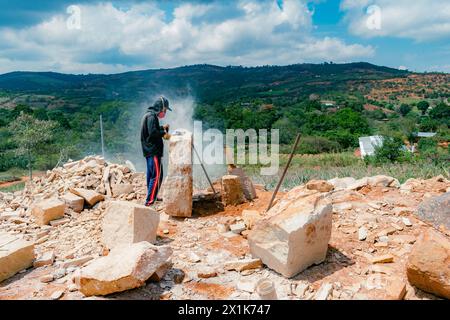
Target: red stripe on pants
156 183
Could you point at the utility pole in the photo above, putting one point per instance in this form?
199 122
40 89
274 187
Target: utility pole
101 134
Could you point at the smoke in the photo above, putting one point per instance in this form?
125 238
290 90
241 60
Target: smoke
181 117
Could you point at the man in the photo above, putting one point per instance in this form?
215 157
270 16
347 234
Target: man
152 135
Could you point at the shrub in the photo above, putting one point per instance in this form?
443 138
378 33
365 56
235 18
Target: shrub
389 151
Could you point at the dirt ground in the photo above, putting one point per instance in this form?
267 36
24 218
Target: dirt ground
199 244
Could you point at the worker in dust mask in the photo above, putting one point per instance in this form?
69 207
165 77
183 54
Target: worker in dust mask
152 135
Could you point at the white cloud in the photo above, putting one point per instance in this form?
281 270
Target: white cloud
141 37
421 20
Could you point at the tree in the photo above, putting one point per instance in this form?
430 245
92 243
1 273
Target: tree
30 134
389 151
441 113
404 109
423 106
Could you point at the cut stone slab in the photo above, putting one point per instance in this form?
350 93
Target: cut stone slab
73 201
90 196
123 188
45 259
241 265
16 254
295 234
126 222
48 210
436 210
126 267
319 185
178 186
428 266
232 193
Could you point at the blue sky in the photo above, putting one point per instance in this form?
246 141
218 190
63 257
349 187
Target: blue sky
116 36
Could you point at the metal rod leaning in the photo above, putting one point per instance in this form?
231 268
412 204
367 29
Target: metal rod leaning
297 139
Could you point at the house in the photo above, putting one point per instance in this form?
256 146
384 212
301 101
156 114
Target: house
368 144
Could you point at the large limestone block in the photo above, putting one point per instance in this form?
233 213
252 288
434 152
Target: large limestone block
178 186
16 254
232 192
428 266
126 267
177 196
48 210
123 188
73 201
295 234
180 153
90 196
126 222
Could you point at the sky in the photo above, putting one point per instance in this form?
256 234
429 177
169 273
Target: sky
117 36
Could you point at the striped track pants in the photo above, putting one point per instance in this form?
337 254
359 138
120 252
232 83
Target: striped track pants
154 178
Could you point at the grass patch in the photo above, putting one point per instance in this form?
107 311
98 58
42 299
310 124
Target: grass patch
13 188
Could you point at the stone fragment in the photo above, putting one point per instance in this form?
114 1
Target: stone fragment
251 217
385 258
319 185
295 233
428 266
58 222
126 222
241 265
436 210
362 234
126 267
206 273
57 294
45 259
76 262
161 272
247 185
406 222
46 278
73 201
90 196
123 188
396 289
324 291
238 227
16 255
48 210
232 193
